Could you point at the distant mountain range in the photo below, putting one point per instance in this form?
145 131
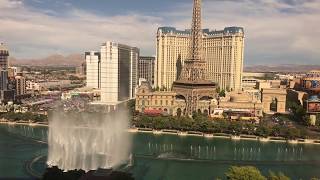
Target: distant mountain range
52 60
73 60
281 68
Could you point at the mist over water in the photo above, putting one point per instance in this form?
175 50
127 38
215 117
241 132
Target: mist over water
88 141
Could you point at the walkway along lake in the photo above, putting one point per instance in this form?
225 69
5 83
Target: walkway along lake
168 156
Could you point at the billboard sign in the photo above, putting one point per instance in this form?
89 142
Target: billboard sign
313 106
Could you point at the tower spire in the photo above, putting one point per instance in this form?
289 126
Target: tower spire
192 83
194 67
196 32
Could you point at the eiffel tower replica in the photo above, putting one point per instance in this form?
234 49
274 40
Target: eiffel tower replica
192 83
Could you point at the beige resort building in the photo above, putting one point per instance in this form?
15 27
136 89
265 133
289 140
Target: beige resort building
242 102
167 101
223 52
271 99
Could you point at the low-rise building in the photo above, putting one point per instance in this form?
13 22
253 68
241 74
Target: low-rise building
242 102
147 99
274 100
20 85
168 102
311 82
249 83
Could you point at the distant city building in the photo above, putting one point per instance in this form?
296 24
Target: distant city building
33 86
256 75
4 55
249 83
3 80
311 82
267 84
113 70
6 94
146 67
93 69
81 70
118 72
13 71
250 79
20 85
44 85
223 52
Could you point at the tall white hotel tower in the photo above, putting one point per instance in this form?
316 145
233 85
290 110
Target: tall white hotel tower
113 70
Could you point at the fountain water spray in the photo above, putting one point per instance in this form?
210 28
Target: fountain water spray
88 141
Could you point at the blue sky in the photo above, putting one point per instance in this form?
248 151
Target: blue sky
277 31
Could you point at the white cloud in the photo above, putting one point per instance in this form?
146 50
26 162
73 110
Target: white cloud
276 31
10 4
33 34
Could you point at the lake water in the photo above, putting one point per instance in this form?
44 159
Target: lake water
169 156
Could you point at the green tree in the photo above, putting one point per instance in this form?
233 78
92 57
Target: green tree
222 93
298 112
235 128
263 131
131 106
248 129
244 173
279 176
293 133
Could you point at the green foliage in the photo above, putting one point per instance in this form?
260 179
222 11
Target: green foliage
13 116
293 133
131 106
222 93
298 112
244 173
318 120
249 129
199 122
235 128
202 123
279 176
263 131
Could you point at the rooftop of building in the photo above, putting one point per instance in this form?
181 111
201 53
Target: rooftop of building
147 57
226 30
3 47
313 72
119 45
240 97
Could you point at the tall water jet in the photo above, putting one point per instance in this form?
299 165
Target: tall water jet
88 141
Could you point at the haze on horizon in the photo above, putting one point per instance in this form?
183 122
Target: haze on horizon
277 31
